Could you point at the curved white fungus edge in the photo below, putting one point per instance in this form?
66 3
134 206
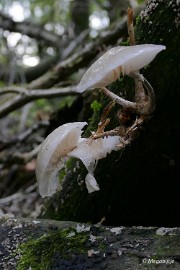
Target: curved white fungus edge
121 59
52 153
91 183
89 151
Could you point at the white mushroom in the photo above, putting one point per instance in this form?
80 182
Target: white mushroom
64 142
121 59
52 153
91 183
89 151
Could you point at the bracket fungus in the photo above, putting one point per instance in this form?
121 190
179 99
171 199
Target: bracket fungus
121 59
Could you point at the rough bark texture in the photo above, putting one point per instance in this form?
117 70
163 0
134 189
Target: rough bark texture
52 245
139 186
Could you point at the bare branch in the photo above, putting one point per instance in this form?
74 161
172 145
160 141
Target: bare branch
25 96
32 73
74 43
82 59
62 70
30 29
79 60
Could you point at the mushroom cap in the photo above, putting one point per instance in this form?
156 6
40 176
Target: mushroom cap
91 183
125 59
52 153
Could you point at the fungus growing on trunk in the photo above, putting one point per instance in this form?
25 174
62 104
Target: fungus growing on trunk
66 140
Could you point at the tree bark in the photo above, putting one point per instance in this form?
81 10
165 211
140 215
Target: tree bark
49 244
80 15
140 185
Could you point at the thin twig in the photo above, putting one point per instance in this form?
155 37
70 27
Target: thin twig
130 26
13 90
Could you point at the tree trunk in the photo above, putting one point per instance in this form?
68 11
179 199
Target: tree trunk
80 15
56 245
139 185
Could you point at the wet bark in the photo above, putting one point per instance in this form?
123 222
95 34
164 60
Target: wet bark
48 244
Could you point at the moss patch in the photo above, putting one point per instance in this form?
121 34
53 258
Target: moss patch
42 253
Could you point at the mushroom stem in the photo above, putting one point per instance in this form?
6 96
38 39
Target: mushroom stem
136 75
124 103
140 95
144 94
151 96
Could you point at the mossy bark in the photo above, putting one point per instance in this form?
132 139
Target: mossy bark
139 185
56 245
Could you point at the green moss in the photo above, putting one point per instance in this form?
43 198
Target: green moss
96 106
40 254
50 249
125 43
138 19
62 173
166 246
